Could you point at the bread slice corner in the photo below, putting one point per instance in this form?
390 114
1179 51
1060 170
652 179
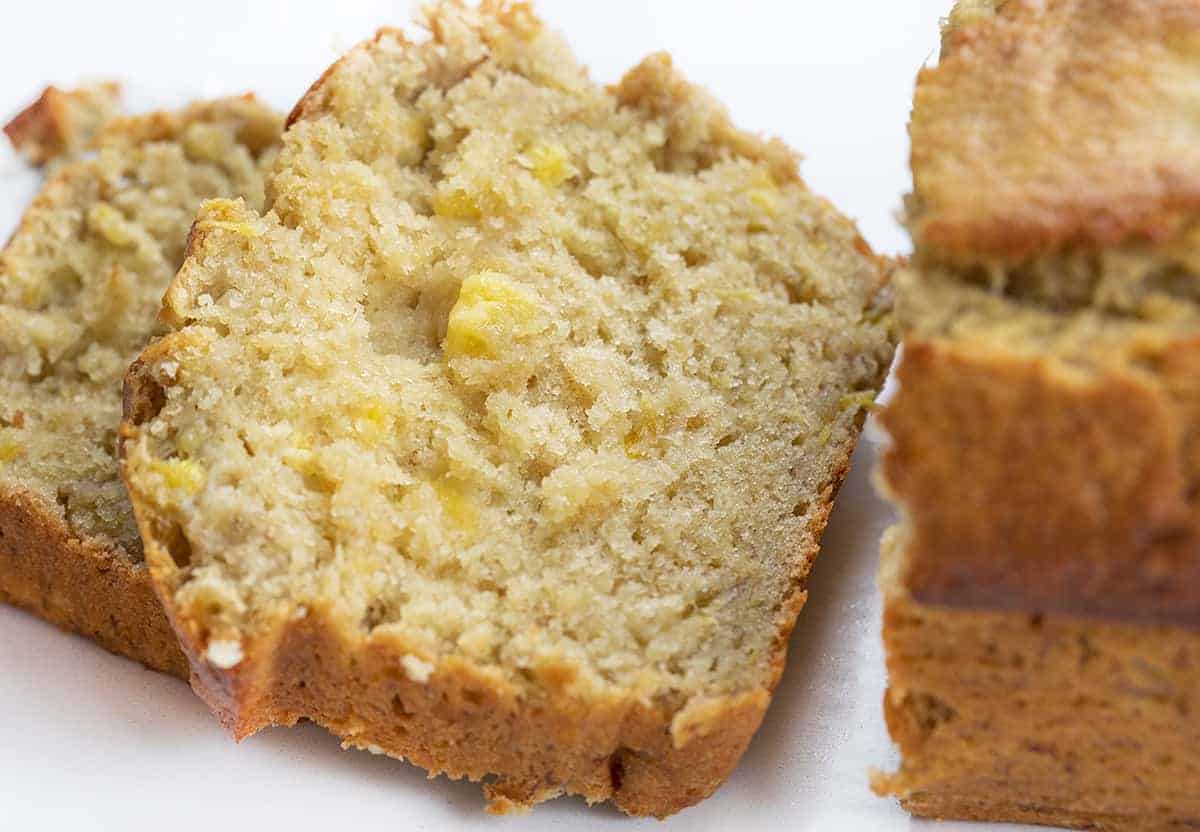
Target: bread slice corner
80 286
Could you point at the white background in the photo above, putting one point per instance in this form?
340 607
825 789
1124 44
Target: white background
95 742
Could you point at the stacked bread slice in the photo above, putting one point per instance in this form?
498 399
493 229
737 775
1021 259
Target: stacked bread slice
80 287
503 440
62 123
1043 590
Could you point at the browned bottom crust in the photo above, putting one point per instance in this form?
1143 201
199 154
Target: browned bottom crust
528 743
1005 716
466 722
944 807
81 586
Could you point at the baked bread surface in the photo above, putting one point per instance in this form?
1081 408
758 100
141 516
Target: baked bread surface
81 283
504 440
1043 590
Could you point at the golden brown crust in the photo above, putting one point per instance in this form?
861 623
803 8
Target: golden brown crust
81 586
1042 719
1056 124
467 721
1042 593
1082 494
61 121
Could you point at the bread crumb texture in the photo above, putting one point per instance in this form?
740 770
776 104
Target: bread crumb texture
81 282
517 371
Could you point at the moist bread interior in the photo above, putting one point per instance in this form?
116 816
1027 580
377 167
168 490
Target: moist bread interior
516 367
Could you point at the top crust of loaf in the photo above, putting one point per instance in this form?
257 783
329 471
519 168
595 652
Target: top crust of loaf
519 380
1052 314
1056 124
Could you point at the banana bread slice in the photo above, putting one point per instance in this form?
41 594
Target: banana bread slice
81 282
1042 594
504 440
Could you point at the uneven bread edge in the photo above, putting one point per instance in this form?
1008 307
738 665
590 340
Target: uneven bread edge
49 127
80 586
532 743
538 740
954 769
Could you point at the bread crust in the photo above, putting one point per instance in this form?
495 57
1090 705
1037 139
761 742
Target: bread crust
1042 591
539 735
61 121
1082 494
986 706
464 722
75 583
1071 150
539 741
308 102
1041 628
81 586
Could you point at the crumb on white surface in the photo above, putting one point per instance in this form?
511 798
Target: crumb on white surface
224 653
417 669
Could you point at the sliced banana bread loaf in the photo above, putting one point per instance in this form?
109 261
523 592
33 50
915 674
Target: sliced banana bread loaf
81 282
1042 595
504 441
